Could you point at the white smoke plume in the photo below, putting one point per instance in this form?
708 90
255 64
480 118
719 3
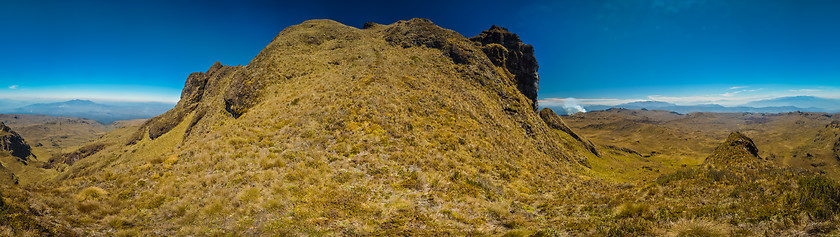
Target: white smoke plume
572 107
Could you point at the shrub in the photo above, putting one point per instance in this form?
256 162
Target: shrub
630 227
91 193
698 227
819 197
88 206
629 210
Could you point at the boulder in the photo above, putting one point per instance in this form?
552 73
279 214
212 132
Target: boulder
12 142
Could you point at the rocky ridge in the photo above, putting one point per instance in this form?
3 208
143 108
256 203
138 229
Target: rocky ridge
554 121
506 50
12 142
737 150
835 126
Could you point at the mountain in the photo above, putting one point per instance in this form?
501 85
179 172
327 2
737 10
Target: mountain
648 105
9 104
828 105
684 109
104 113
399 129
410 129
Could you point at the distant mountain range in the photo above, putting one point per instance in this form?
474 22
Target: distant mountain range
777 105
103 113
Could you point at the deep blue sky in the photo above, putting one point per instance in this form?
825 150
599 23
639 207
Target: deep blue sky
690 51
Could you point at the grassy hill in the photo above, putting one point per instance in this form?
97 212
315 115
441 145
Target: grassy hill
412 129
332 130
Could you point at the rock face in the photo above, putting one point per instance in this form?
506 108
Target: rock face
422 32
72 157
738 151
13 142
506 50
195 89
836 147
833 124
554 121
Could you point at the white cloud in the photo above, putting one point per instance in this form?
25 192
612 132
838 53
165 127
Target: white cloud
806 90
560 101
733 93
13 87
737 87
730 94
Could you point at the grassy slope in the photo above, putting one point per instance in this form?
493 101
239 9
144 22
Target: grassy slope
360 137
354 136
678 140
49 135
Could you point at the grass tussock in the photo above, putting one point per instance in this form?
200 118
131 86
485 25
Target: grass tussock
698 228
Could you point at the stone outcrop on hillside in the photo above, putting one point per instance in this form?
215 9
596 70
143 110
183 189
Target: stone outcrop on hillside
506 50
12 142
737 151
195 88
836 147
554 121
72 157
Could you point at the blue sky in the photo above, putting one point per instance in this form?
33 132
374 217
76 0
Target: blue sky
603 52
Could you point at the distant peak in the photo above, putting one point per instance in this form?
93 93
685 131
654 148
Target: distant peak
79 101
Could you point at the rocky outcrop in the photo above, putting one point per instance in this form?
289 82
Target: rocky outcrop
835 125
72 157
506 50
195 88
554 121
422 32
12 142
242 93
738 151
836 149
